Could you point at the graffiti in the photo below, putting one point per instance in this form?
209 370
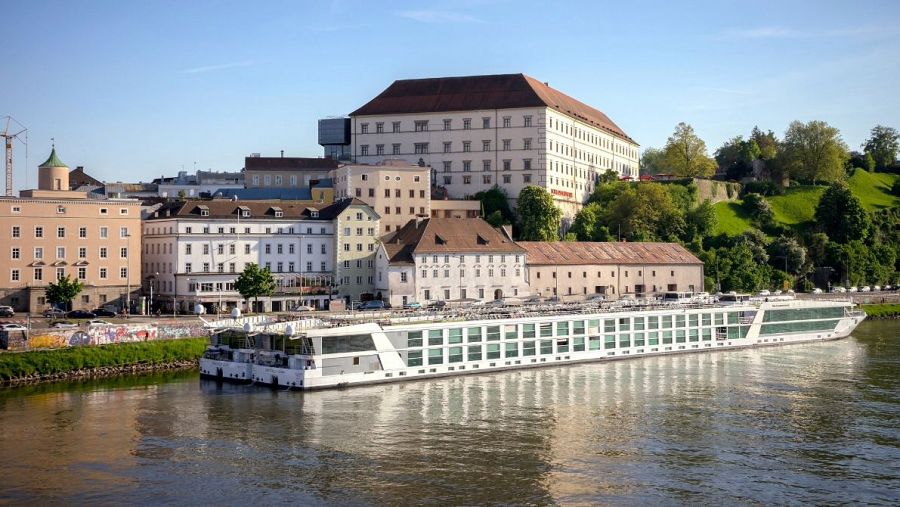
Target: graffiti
103 335
79 338
171 332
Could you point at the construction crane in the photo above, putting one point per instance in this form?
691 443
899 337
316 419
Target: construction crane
8 137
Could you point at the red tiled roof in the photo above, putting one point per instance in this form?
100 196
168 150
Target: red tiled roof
446 235
585 253
468 93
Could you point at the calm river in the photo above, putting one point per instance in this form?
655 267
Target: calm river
816 423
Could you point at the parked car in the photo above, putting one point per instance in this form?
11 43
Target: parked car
54 313
596 297
80 314
13 327
372 305
302 308
876 288
64 325
866 288
413 305
99 322
853 289
764 292
103 312
817 291
437 305
6 311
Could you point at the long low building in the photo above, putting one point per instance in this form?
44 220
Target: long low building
580 269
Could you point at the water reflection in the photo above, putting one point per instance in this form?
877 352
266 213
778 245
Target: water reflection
807 423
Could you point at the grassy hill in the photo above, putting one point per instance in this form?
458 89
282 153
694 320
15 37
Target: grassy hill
797 207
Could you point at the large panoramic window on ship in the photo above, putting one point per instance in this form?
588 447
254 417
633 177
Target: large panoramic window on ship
795 327
578 344
350 343
528 348
803 314
546 347
720 319
414 339
528 331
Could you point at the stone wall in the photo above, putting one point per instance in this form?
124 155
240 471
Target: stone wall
717 191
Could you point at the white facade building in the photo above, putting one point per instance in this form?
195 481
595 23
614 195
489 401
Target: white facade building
193 251
507 130
449 259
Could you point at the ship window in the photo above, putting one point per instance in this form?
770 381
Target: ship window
493 334
707 319
474 353
679 336
693 335
594 343
512 349
414 339
624 340
609 341
693 320
414 358
609 326
562 345
638 339
474 334
528 348
578 344
624 324
578 327
653 338
707 334
512 332
455 336
667 337
528 331
456 354
493 351
638 323
349 343
546 330
546 346
436 337
562 328
435 356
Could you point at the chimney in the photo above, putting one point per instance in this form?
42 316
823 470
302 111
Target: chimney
507 230
419 220
282 153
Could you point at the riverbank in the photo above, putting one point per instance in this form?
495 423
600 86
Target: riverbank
101 361
882 311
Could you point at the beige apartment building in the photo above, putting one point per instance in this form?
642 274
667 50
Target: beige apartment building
51 232
455 208
581 269
398 191
356 227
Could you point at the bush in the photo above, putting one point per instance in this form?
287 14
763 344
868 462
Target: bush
767 188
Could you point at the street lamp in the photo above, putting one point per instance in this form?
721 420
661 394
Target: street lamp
150 308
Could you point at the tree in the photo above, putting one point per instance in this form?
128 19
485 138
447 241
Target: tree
701 221
736 157
653 161
758 207
255 282
493 200
63 291
645 212
685 154
767 143
883 144
739 270
841 214
785 253
813 152
538 215
496 219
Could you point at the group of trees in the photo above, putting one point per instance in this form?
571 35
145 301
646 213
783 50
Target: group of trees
809 152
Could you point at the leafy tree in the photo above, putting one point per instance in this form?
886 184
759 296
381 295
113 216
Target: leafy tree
609 176
685 154
653 161
493 200
785 252
63 291
859 160
254 282
813 152
586 222
182 194
496 219
570 237
645 212
757 242
739 271
841 214
701 221
736 157
767 143
883 144
538 215
758 207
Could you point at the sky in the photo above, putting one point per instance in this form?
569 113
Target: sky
138 89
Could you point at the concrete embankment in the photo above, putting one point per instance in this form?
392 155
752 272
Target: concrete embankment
17 368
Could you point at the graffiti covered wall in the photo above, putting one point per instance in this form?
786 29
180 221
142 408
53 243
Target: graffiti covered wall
99 335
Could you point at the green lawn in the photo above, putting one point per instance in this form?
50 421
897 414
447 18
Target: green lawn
874 189
797 205
733 220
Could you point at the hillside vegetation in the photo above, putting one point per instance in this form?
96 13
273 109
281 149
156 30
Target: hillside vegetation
797 206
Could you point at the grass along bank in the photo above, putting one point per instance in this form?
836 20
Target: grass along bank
882 311
103 359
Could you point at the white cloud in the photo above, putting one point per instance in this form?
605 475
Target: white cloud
210 68
438 16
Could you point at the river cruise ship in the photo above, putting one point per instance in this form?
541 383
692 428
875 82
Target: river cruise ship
362 348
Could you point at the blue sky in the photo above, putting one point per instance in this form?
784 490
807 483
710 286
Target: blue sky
133 90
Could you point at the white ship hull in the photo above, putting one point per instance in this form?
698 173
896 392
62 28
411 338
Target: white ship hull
386 365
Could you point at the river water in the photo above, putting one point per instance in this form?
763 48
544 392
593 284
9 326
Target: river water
815 423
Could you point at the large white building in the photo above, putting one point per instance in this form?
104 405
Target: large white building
447 259
508 130
193 251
